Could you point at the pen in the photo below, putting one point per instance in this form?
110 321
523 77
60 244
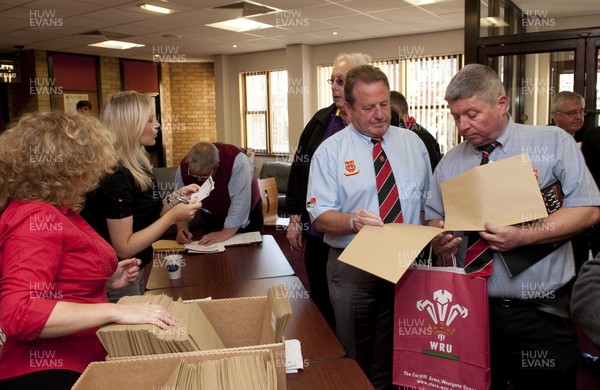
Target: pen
182 200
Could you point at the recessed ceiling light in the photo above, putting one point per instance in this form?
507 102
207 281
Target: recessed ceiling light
116 45
234 45
157 9
334 33
240 25
423 2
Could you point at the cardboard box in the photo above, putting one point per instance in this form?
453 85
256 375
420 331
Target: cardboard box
239 324
152 372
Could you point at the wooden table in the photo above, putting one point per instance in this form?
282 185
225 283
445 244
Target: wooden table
329 375
307 324
235 264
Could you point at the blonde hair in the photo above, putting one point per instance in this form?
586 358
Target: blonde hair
55 158
126 115
353 59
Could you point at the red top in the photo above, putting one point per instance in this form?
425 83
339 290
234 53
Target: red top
48 254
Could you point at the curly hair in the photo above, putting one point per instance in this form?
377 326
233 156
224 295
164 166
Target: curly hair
125 114
55 158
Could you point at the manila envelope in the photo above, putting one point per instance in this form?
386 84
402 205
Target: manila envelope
387 251
504 193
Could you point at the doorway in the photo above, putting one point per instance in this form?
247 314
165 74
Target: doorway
533 71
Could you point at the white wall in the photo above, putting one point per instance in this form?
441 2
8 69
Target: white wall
301 61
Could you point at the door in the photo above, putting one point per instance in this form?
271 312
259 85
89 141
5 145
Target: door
534 71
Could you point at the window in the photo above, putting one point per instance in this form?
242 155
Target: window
266 111
423 81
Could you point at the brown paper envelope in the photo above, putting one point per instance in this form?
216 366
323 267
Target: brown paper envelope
388 251
167 245
504 193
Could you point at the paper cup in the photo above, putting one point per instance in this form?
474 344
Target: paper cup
174 266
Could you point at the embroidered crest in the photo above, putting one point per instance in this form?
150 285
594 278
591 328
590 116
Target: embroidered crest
350 168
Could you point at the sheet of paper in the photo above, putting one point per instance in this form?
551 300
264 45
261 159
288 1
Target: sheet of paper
388 251
194 247
504 193
205 189
293 356
243 239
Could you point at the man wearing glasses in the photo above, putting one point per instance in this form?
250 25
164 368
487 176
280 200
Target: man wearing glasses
568 113
301 232
234 205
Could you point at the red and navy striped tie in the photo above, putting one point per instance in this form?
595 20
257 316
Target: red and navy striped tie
480 258
390 209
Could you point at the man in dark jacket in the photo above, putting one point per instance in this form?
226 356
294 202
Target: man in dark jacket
323 124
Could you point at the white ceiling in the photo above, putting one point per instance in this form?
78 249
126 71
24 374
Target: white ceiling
60 25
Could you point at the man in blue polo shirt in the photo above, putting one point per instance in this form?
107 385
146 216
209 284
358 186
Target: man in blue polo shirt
344 195
533 342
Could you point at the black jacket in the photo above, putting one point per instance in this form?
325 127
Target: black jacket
310 139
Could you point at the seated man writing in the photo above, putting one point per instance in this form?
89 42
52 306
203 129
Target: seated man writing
234 205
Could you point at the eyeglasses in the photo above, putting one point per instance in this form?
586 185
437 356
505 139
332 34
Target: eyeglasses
339 82
574 113
200 177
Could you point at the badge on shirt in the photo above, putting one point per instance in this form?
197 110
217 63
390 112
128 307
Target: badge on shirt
350 168
312 203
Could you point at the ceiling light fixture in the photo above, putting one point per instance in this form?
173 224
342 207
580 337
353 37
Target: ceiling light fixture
157 9
493 21
116 45
423 2
240 25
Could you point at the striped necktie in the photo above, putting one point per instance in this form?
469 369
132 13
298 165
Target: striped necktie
480 258
390 209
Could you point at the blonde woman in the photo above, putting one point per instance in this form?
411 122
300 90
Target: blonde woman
128 210
54 268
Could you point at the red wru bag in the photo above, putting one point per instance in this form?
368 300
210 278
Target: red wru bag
441 333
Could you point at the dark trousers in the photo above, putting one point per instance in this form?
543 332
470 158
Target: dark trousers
315 262
364 315
46 379
531 349
256 220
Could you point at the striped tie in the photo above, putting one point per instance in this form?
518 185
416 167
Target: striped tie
480 258
387 191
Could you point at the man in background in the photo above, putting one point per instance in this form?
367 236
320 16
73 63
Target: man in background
568 112
301 232
400 106
84 107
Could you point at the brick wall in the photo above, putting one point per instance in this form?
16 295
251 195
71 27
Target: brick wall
110 77
188 112
188 107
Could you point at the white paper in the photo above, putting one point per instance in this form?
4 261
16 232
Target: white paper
293 356
205 190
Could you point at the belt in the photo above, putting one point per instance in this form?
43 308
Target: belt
533 304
